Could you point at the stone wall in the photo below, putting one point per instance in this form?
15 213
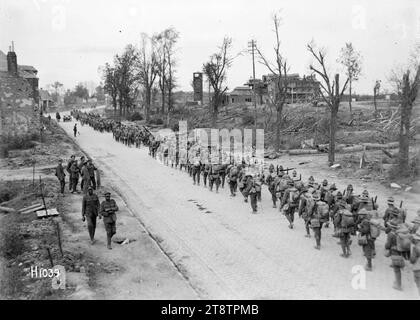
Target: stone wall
18 110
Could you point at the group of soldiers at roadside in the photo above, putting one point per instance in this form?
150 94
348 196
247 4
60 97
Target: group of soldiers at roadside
318 204
91 208
76 169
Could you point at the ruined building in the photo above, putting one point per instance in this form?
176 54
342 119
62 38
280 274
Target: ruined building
18 98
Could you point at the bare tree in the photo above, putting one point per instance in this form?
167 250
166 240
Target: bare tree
111 84
407 87
215 70
56 85
278 69
147 69
127 78
376 89
330 92
352 61
172 37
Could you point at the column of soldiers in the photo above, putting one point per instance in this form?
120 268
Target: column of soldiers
318 204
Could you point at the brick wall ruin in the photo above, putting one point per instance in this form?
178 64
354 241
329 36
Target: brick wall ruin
18 110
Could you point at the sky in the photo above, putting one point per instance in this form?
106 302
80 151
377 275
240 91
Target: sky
68 40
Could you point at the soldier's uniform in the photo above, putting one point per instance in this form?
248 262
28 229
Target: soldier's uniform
68 168
85 179
74 174
317 219
345 230
397 261
251 191
390 210
196 171
107 210
233 180
205 170
348 195
61 176
305 207
415 259
90 208
290 203
214 177
368 246
222 172
91 169
271 182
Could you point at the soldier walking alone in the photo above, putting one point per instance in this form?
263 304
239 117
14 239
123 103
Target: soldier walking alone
75 130
107 210
90 207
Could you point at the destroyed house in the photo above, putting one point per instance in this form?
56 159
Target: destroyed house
19 97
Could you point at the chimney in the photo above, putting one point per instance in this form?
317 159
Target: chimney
12 67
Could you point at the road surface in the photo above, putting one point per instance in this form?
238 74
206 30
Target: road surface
223 250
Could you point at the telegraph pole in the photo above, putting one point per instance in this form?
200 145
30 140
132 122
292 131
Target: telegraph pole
252 45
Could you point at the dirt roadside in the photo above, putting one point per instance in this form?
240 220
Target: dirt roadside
138 270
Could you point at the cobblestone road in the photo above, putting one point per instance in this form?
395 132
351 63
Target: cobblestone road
224 250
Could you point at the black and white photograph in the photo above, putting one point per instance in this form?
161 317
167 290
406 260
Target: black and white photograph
234 151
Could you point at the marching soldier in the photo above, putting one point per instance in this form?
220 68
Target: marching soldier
214 177
336 207
72 159
290 203
85 179
91 170
391 208
90 208
222 171
74 175
61 176
397 261
345 222
348 195
366 237
318 215
75 130
324 188
107 210
305 208
415 259
233 180
251 191
206 170
196 170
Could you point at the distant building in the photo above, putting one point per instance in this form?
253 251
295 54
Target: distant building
298 89
242 95
45 99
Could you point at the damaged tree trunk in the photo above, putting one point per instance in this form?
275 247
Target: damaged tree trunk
408 95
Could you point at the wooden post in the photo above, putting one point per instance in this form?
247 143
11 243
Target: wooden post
33 173
42 195
57 225
50 257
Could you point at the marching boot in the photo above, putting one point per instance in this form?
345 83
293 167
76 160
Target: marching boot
344 254
398 282
348 250
368 266
109 242
308 233
318 243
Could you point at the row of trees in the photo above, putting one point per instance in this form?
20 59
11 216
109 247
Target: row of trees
138 71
